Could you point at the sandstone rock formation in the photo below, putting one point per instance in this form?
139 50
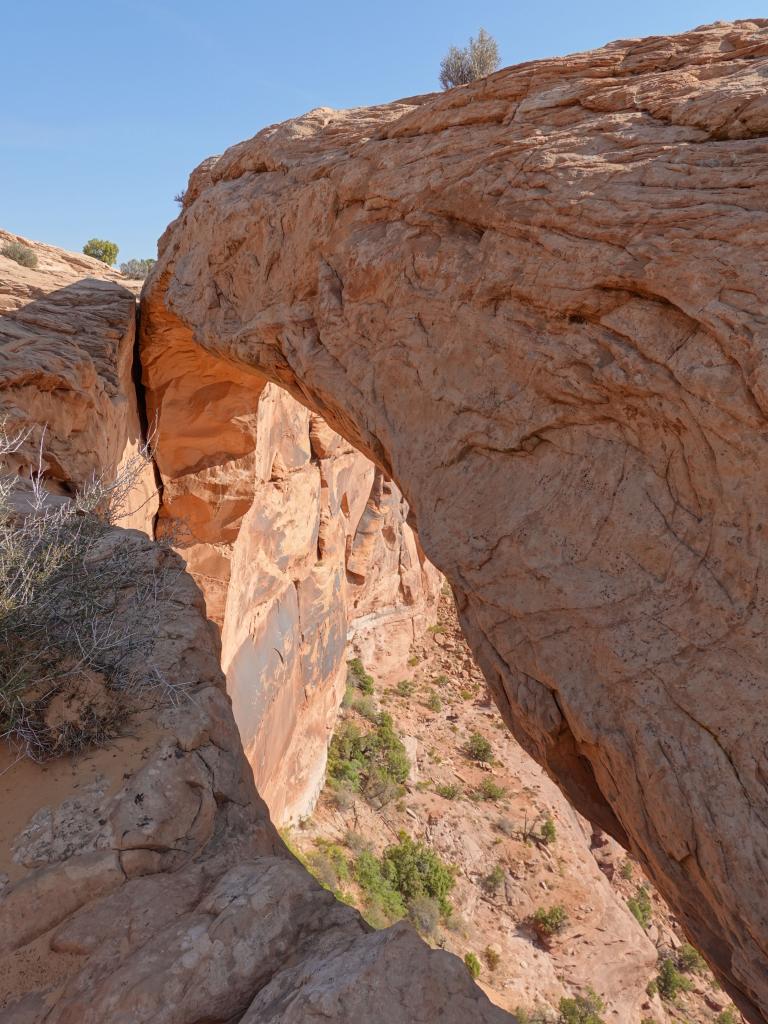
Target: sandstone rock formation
67 334
143 881
298 546
145 884
287 513
538 304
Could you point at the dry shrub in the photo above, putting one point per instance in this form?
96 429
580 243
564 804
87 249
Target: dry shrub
77 611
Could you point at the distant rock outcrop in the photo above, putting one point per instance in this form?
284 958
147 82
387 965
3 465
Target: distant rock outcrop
67 346
538 304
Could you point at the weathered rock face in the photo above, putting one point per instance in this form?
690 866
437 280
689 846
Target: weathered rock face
297 543
145 882
67 334
538 303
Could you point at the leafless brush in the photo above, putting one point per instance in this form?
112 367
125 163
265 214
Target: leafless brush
77 610
466 64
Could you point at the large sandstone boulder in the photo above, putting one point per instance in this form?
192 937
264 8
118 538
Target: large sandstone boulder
538 304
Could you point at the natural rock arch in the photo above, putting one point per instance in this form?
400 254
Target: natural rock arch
538 303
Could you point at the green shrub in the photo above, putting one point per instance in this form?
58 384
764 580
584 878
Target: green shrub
488 790
494 880
381 899
408 875
374 763
728 1016
548 831
102 250
357 676
436 629
548 922
582 1009
478 748
626 870
415 870
690 959
434 703
21 254
641 906
466 694
472 965
441 680
424 912
449 791
137 270
670 982
405 687
414 660
347 760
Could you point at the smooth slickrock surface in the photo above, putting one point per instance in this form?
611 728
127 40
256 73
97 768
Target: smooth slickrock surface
67 334
539 304
298 546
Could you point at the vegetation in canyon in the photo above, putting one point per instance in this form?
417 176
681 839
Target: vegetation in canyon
440 722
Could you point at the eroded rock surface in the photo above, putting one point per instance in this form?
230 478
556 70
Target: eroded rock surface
164 895
538 303
67 339
298 544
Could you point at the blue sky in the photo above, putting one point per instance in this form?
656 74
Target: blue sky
108 105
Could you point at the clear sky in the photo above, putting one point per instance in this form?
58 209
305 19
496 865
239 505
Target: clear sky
108 104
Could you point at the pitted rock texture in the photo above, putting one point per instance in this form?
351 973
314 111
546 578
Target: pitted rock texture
143 883
298 544
538 303
67 339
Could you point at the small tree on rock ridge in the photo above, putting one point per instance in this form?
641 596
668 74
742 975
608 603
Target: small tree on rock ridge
466 64
102 250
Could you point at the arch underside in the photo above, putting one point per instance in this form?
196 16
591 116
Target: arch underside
538 304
